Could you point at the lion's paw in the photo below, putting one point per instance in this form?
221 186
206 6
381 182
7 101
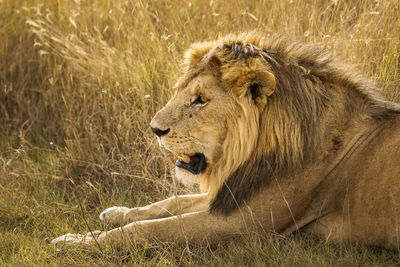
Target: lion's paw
75 239
114 215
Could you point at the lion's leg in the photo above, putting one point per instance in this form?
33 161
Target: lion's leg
196 227
169 207
270 210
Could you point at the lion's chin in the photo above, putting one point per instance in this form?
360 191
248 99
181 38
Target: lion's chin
186 177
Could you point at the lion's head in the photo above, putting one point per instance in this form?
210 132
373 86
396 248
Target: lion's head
249 107
212 122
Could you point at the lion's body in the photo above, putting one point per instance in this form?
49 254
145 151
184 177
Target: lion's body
362 195
281 137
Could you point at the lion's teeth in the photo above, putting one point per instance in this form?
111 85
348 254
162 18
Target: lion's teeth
185 158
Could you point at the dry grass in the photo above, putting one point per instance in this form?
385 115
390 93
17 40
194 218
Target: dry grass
79 83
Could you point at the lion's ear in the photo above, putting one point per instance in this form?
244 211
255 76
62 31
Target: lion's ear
195 54
255 91
212 62
261 87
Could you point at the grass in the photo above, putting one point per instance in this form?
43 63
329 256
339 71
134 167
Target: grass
79 83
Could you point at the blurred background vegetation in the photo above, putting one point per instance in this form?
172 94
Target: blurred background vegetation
79 84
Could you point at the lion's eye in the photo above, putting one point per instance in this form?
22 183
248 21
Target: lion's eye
200 100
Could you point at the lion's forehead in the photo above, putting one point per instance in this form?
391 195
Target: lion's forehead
197 81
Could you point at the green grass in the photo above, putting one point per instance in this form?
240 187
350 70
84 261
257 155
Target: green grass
79 83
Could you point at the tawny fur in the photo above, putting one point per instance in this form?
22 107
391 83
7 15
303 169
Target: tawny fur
293 140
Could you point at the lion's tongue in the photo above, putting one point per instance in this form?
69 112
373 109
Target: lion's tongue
185 158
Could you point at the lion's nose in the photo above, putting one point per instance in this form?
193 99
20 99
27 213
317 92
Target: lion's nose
159 132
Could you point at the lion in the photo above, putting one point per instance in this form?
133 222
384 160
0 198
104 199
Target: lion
281 137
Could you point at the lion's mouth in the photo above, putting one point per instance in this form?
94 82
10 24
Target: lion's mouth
195 164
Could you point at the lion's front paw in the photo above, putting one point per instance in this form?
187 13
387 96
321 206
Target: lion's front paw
75 239
114 215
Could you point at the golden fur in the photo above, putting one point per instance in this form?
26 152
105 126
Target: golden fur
292 139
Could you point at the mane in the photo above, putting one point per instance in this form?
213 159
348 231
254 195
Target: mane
289 131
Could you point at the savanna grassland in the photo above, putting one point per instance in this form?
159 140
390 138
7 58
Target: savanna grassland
79 84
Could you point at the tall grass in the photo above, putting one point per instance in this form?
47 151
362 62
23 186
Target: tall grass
79 83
